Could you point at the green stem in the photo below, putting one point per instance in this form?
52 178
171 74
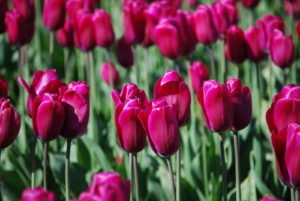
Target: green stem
171 178
136 67
292 194
178 173
204 160
258 84
67 169
283 77
136 177
130 164
224 170
212 62
270 78
51 48
237 166
67 64
238 71
297 194
33 147
45 163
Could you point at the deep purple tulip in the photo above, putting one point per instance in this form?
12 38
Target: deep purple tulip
26 8
215 100
54 13
37 194
3 10
255 53
75 100
124 53
108 72
105 36
65 34
282 49
236 46
268 198
172 88
241 104
250 3
9 123
198 74
161 125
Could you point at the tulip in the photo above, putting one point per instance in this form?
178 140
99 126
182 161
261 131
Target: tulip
250 3
124 52
192 3
161 125
215 100
241 104
109 72
204 27
65 34
220 17
166 37
3 10
90 5
3 88
282 49
292 8
232 11
134 21
254 50
298 29
72 7
75 100
54 14
268 198
26 9
9 123
198 74
37 194
236 46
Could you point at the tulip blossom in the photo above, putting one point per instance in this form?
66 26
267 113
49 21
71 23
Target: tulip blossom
241 104
292 8
65 34
109 72
198 74
54 14
3 10
254 50
250 3
26 8
124 53
90 5
282 49
37 194
220 17
215 100
72 7
160 122
232 11
9 123
236 46
268 198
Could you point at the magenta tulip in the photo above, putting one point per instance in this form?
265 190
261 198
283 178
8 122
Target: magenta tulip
75 100
3 88
105 36
232 11
241 104
236 46
108 72
161 125
3 10
215 100
292 8
65 34
37 194
72 7
282 49
220 17
198 74
54 14
250 3
204 26
90 5
268 198
255 52
9 123
124 53
26 8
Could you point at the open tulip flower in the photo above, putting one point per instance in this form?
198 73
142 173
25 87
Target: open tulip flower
37 194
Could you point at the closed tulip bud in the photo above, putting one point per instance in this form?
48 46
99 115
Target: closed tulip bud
204 27
75 100
236 46
54 14
292 8
3 88
232 11
241 104
255 52
282 49
250 3
9 123
134 20
3 10
65 34
198 74
109 72
215 100
268 198
103 28
161 125
72 7
26 9
37 194
220 17
125 55
172 88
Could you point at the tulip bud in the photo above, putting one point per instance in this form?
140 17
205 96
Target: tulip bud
75 100
204 27
236 46
198 74
292 8
103 28
109 72
254 50
220 17
54 14
268 198
172 88
9 123
90 5
215 100
65 34
250 3
72 7
241 104
232 11
3 10
160 122
125 55
282 49
3 88
26 9
37 194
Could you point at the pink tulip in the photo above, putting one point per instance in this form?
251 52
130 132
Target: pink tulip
72 7
124 53
292 7
250 3
37 194
65 34
54 14
9 123
254 50
220 17
268 198
26 8
3 10
232 11
198 74
215 100
108 72
90 5
161 125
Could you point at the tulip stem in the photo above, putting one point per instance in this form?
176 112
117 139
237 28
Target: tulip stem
130 173
204 157
136 67
67 64
293 192
33 147
270 78
212 62
67 169
51 48
237 166
136 177
171 178
224 171
258 83
45 163
178 173
297 195
238 71
283 77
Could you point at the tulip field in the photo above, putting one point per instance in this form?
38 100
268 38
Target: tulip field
149 100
